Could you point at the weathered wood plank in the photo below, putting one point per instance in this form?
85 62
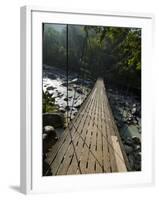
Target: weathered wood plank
121 167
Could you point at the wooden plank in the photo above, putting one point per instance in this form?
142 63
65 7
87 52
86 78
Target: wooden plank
109 132
116 133
106 155
121 167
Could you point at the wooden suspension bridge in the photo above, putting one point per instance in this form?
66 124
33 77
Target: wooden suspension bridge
91 143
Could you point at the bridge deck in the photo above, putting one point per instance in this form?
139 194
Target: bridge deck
91 143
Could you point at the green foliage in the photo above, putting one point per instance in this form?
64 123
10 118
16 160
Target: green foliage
111 52
121 58
49 103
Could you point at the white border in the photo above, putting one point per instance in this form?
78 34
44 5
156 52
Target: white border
31 81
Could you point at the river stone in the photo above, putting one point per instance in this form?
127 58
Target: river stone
65 99
79 90
131 161
67 108
50 88
62 110
64 84
133 111
44 136
137 148
134 105
129 141
53 119
128 149
50 131
137 166
136 140
138 156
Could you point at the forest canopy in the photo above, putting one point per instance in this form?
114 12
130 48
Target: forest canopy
111 52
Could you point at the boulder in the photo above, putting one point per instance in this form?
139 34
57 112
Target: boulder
138 156
131 161
135 121
129 141
44 136
137 148
133 111
67 108
136 140
79 90
128 149
50 88
64 84
50 132
137 166
134 105
62 110
65 99
53 119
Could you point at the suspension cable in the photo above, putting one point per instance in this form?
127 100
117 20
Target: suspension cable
67 64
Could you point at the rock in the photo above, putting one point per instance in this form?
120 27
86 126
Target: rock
139 130
50 88
134 105
135 121
64 84
79 90
50 132
137 148
44 136
136 140
53 119
65 99
75 80
49 129
62 110
129 141
78 105
128 149
131 161
138 156
137 166
133 111
61 95
67 108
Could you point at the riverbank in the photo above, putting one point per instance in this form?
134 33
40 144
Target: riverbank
66 101
126 109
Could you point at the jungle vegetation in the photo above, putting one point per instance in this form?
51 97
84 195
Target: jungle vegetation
113 53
